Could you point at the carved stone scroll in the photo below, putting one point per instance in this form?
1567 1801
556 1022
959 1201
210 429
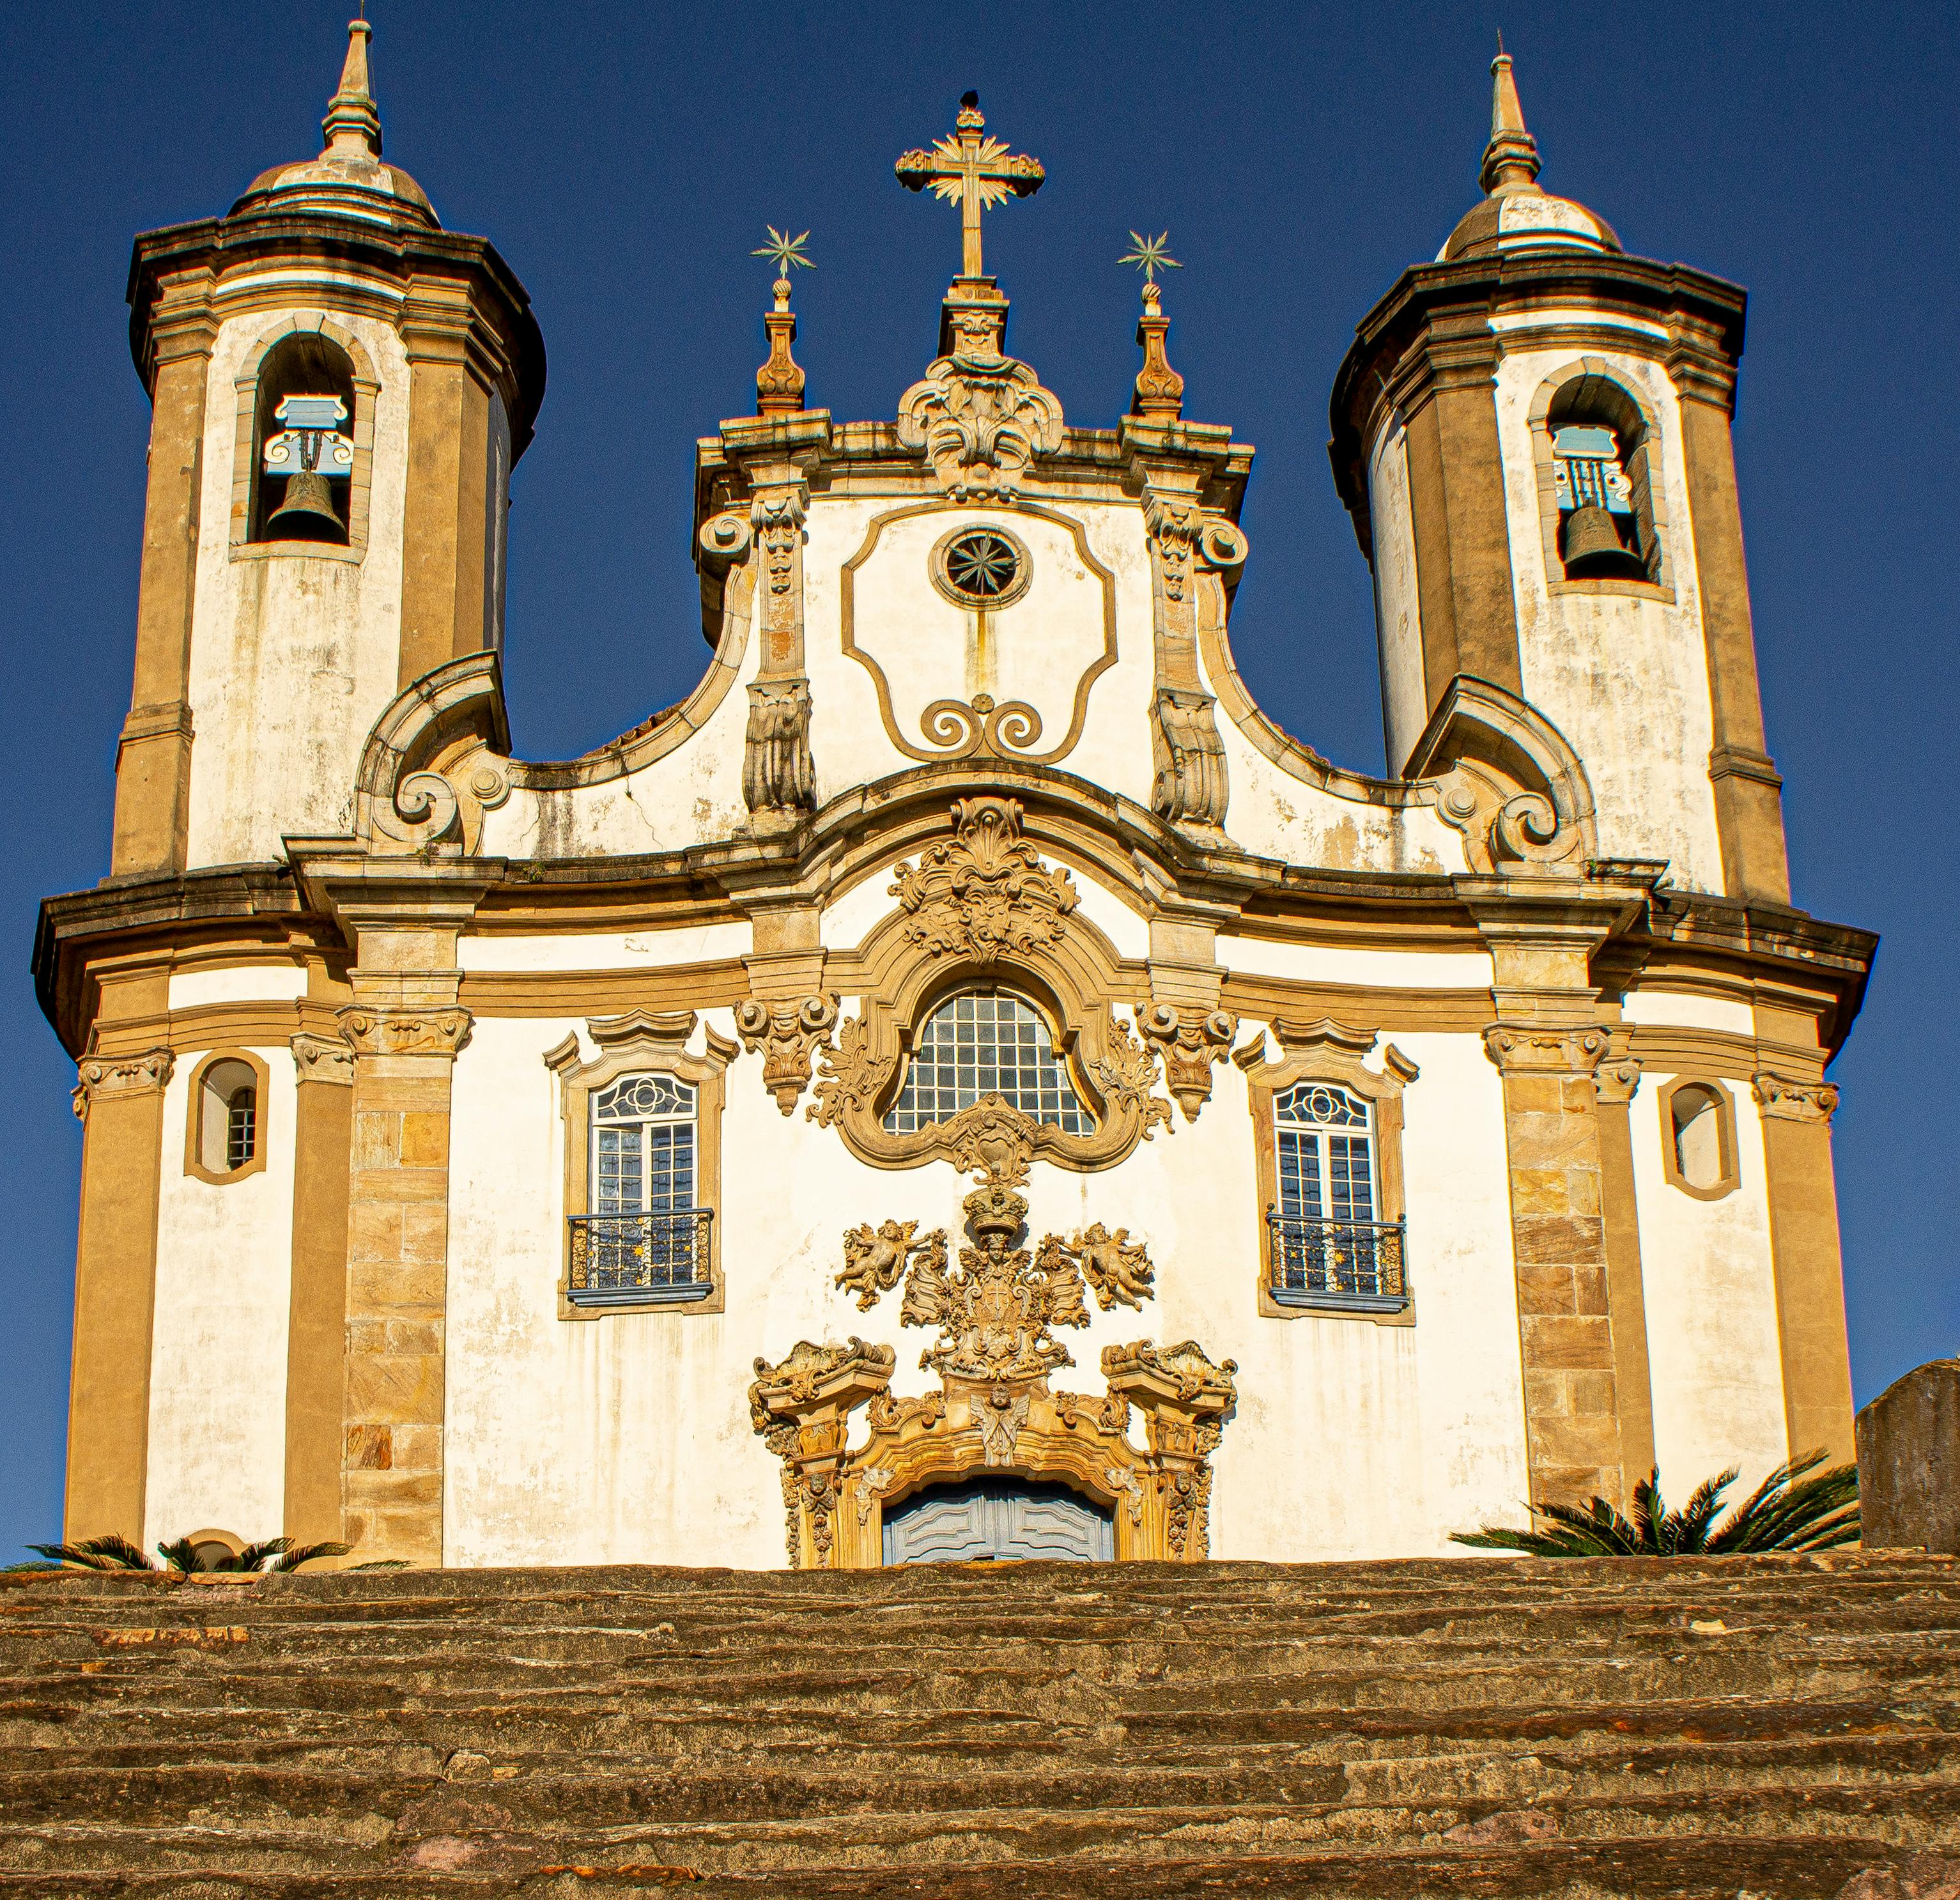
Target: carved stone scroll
378 1032
980 418
778 778
1785 1098
120 1075
1190 786
787 1033
986 893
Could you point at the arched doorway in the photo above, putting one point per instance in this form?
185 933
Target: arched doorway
1007 1518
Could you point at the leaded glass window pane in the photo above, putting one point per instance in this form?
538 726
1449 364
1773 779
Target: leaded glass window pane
980 1044
643 1146
1325 1153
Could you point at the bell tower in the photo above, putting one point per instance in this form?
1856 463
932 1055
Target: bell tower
339 387
1533 435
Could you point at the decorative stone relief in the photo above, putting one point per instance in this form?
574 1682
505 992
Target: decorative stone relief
373 1032
853 1074
1191 786
320 1058
120 1075
787 1033
984 892
778 779
777 515
1173 527
876 1259
1617 1078
980 418
1191 1041
1784 1098
995 1316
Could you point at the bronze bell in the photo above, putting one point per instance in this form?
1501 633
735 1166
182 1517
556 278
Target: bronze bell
307 513
1594 550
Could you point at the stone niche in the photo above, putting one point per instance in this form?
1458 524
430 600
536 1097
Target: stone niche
1909 1462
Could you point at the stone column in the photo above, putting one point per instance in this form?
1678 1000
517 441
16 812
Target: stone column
1796 1111
120 1100
316 1332
397 1256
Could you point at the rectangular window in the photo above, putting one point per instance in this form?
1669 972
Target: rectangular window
645 1242
1325 1245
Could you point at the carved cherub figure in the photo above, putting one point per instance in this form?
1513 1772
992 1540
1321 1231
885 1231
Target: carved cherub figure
875 1259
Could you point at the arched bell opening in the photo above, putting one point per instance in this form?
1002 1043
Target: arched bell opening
303 438
998 1517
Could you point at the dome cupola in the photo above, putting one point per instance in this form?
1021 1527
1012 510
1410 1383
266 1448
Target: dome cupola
1514 214
349 176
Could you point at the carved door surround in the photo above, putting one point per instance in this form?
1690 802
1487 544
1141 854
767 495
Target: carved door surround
979 728
995 1314
980 910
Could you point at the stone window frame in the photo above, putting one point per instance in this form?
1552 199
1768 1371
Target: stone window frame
194 1112
360 485
1731 1176
642 1043
1646 470
1327 1052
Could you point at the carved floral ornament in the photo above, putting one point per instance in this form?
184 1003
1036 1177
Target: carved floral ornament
971 904
994 1316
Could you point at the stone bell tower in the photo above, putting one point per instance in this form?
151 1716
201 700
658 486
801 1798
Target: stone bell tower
339 389
1532 436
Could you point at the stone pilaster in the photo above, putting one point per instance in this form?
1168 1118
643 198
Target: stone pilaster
1796 1111
397 1259
120 1100
1615 1082
316 1329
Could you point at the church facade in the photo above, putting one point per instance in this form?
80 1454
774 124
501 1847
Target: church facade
965 1082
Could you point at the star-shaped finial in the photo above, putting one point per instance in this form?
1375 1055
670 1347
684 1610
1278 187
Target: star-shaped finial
1149 255
785 249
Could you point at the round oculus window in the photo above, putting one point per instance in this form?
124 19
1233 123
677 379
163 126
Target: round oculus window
981 567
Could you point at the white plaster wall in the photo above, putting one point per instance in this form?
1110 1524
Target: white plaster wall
1676 1008
628 1438
217 1358
1398 611
1624 680
260 982
1380 969
1712 1342
607 950
294 657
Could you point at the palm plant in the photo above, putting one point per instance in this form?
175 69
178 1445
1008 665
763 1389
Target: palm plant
181 1558
1790 1510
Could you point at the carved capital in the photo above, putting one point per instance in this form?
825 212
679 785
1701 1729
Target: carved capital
322 1059
382 1032
787 1033
1519 1051
1617 1078
97 1075
1190 1041
1785 1098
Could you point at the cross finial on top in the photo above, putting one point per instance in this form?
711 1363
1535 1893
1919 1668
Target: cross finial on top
974 170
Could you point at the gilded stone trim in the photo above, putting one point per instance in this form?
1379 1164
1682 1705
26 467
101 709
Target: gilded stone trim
964 729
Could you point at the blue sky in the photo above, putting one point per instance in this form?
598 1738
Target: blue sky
624 159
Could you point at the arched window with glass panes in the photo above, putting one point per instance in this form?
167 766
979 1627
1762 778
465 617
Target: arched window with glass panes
980 1043
645 1240
1327 1245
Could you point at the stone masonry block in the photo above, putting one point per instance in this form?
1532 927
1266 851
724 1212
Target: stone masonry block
1540 1191
1532 1095
1545 1288
1551 1141
1909 1462
1544 1238
1576 1345
394 1490
425 1235
373 1231
368 1448
415 1337
386 1388
1588 1288
424 1139
414 1288
377 1139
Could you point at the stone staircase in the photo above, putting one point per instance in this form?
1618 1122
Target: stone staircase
1752 1728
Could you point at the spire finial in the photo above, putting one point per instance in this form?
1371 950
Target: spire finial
352 123
779 383
1159 390
1510 160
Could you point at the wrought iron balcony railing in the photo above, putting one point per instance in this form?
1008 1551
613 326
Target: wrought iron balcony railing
640 1259
1356 1266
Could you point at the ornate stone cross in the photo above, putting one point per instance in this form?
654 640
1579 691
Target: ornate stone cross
978 171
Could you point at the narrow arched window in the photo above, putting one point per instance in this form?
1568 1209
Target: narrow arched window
227 1118
646 1237
1601 477
1328 1246
303 441
1698 1127
984 1042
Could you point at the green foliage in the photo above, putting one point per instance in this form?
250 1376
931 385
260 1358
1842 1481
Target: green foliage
180 1559
1790 1510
